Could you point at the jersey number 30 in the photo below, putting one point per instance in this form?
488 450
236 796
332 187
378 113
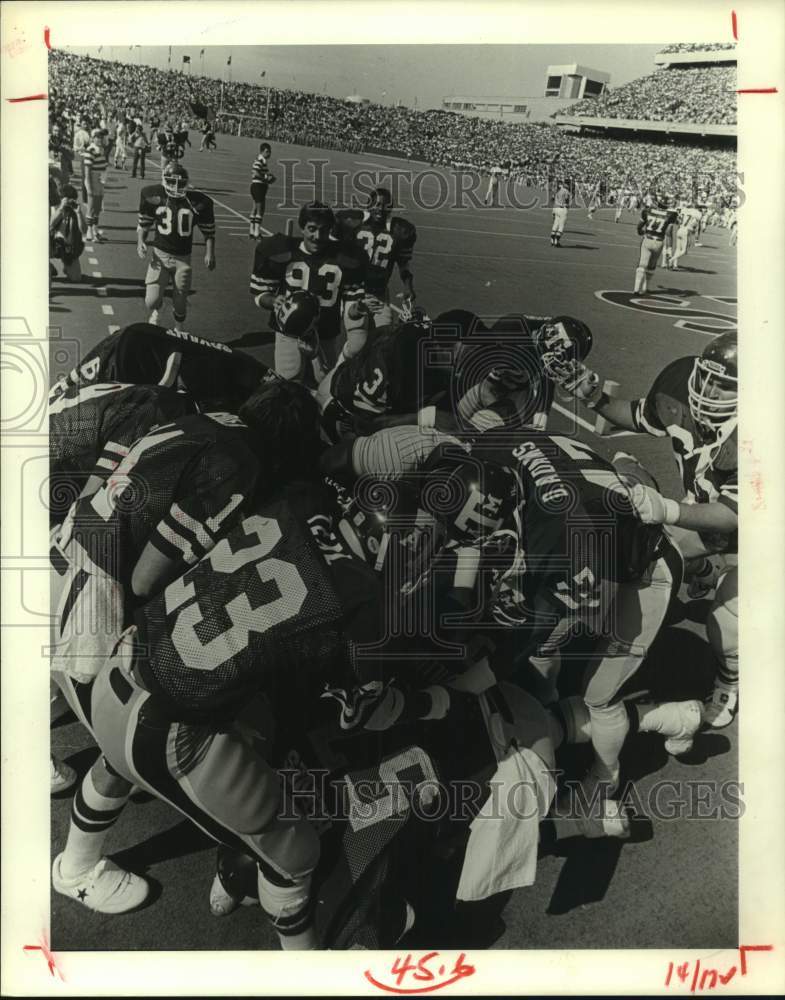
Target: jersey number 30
245 619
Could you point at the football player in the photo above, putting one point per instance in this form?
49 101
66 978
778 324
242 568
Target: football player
387 241
214 375
317 264
655 224
694 403
261 179
385 384
546 544
173 211
561 204
92 427
279 606
168 502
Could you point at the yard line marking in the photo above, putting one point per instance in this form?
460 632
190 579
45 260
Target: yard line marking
92 260
97 274
113 329
107 310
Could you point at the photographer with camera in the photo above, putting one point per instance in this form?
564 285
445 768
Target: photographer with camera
66 234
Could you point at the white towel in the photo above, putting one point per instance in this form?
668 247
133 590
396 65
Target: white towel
88 619
502 849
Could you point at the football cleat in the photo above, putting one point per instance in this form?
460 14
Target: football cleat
612 823
62 777
684 720
104 889
720 710
153 317
175 180
222 902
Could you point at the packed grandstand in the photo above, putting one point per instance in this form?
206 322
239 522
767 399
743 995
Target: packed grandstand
99 90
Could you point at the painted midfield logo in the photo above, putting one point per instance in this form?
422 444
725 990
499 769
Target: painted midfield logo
687 315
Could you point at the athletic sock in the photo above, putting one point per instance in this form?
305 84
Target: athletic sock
92 817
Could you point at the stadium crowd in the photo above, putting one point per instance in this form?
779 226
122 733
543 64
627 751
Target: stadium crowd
700 95
697 47
104 91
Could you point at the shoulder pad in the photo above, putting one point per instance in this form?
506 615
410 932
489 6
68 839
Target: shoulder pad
403 230
278 247
154 195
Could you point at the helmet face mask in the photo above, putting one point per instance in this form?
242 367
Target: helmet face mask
175 181
713 385
563 344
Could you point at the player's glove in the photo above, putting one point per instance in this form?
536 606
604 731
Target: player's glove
652 507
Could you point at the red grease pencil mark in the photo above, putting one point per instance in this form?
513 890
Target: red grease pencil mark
46 38
32 97
735 25
758 90
420 972
43 947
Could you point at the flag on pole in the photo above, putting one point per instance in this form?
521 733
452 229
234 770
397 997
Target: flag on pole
263 73
229 61
186 59
201 53
169 60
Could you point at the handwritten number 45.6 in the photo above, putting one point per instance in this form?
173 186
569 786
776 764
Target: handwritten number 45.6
422 972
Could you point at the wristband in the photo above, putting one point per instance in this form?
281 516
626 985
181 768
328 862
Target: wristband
672 511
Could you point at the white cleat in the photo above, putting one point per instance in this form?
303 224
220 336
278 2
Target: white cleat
612 823
106 888
720 710
222 903
62 777
687 718
153 318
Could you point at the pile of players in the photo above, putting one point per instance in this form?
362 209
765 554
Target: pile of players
386 538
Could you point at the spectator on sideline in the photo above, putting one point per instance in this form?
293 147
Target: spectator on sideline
141 147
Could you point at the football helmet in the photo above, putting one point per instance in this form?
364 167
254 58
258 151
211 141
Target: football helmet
563 343
297 314
175 180
366 533
470 499
713 384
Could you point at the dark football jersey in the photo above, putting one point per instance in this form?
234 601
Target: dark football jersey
174 218
389 375
385 244
507 354
91 427
279 599
180 487
335 275
576 530
657 221
215 375
708 467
